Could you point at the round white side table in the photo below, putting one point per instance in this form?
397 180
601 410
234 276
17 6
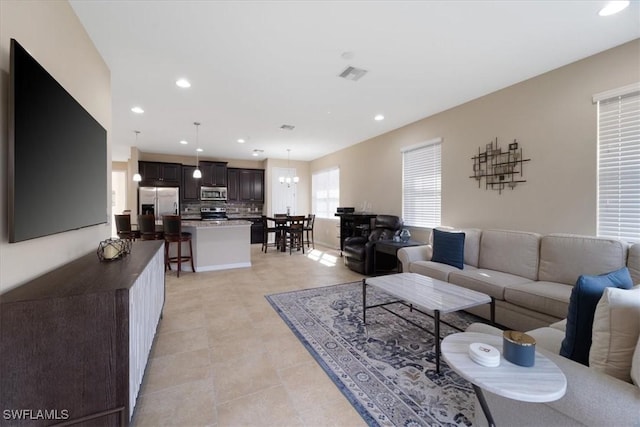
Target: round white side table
543 382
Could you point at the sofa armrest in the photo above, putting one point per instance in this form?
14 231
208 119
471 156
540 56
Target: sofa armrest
414 253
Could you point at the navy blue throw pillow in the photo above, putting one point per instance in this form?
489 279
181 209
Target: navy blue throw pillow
582 306
448 248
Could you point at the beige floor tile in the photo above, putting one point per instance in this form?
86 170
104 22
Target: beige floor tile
189 404
269 407
224 357
246 373
180 321
180 342
169 371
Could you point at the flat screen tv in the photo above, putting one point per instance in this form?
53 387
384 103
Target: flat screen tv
57 155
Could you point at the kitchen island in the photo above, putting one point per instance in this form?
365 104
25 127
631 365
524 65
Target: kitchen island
218 245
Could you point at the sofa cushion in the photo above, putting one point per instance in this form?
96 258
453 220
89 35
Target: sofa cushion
448 248
471 242
633 262
616 327
488 282
546 297
435 270
513 252
582 305
564 257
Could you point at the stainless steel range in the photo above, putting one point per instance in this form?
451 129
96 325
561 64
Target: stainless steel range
213 214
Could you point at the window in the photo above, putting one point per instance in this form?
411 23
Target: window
619 163
421 184
325 189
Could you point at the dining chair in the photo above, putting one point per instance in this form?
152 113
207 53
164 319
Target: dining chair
295 232
269 227
123 227
172 227
308 227
147 227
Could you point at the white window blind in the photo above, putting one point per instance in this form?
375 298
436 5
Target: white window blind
421 184
325 189
619 166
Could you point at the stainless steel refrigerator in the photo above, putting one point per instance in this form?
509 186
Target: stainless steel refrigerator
158 201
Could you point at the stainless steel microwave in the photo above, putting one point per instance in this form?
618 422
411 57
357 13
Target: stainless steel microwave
213 193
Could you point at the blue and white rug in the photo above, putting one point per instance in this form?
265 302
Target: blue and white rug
386 370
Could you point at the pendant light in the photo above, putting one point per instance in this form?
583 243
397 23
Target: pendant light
136 176
288 178
196 173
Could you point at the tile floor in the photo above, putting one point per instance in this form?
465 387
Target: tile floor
223 356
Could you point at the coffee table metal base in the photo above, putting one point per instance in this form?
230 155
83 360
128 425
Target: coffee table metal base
435 317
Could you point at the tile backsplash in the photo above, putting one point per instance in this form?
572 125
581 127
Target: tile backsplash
233 208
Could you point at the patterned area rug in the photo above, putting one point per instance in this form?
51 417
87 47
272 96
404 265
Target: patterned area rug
386 369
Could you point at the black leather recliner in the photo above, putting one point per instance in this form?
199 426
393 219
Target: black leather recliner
358 251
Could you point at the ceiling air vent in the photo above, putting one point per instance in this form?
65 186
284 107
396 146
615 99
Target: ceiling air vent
352 73
287 127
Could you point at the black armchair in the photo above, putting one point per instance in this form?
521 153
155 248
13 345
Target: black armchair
358 251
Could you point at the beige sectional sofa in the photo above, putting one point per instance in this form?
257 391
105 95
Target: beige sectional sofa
529 275
592 398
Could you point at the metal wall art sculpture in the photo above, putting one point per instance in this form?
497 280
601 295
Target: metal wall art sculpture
500 169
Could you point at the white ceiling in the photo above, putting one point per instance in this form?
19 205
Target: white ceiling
256 65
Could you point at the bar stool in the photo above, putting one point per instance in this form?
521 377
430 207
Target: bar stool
123 227
147 227
172 226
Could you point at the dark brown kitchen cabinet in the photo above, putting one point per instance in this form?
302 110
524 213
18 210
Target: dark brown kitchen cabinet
214 174
233 190
190 186
245 185
159 174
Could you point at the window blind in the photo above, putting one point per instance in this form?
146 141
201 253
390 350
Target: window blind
325 189
421 184
619 166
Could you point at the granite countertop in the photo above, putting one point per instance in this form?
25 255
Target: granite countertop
207 224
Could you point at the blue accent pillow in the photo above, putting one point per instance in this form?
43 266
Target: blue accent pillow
448 248
582 306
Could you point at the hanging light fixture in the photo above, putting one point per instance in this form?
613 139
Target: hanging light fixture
136 176
196 173
287 179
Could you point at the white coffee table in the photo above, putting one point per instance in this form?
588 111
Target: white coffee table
543 382
424 293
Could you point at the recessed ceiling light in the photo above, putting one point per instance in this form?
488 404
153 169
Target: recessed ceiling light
137 110
183 142
257 152
241 141
183 83
199 150
613 7
378 117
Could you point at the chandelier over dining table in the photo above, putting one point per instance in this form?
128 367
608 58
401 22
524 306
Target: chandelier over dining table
288 179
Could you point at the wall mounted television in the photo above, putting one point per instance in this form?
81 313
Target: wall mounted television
57 160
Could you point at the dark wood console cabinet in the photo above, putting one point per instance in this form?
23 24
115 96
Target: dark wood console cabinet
75 341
